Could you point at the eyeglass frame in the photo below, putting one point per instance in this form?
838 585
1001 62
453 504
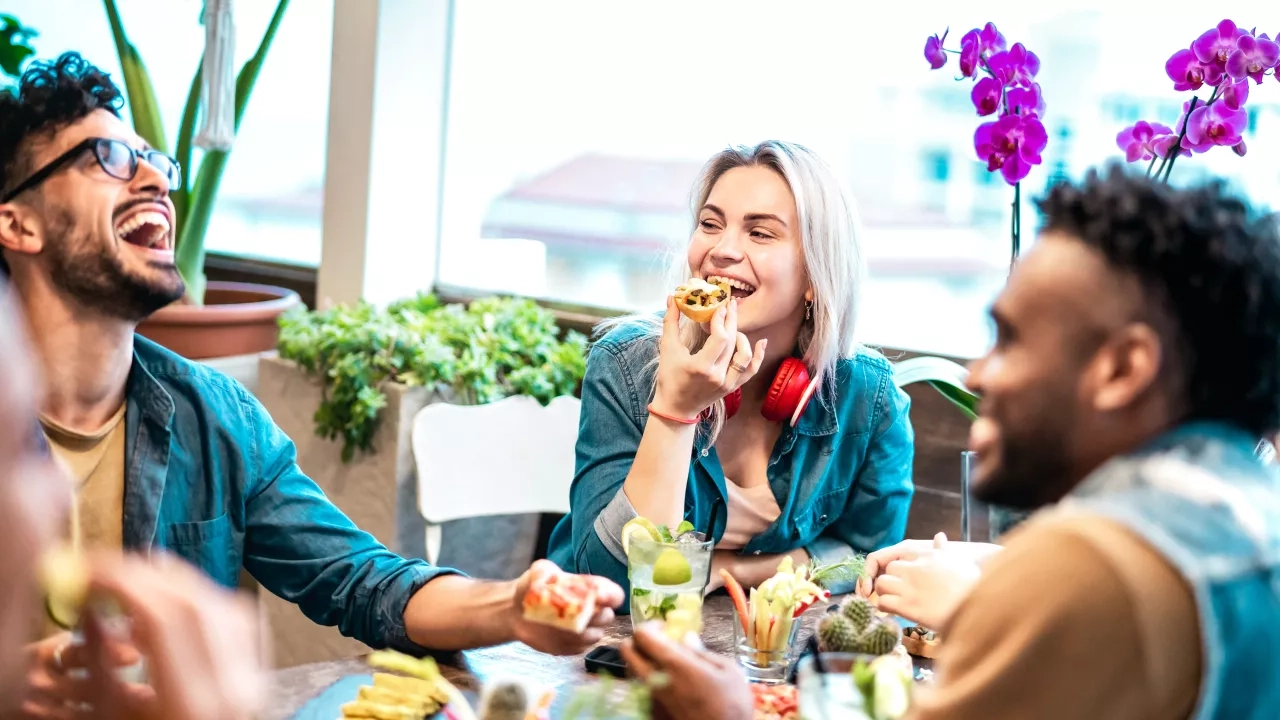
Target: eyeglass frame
92 143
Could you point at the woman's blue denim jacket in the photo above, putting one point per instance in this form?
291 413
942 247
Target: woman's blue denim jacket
842 475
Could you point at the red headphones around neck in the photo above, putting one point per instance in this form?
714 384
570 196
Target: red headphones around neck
789 394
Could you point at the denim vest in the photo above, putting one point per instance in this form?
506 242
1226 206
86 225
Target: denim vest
1200 497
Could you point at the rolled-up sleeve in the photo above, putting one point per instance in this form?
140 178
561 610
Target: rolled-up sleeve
301 547
608 435
875 515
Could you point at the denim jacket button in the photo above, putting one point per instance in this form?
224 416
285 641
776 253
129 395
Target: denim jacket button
704 452
756 552
822 518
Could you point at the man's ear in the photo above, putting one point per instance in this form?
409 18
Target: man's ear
1126 367
20 230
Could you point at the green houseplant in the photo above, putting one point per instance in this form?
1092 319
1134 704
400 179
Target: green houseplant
241 318
195 200
15 48
478 353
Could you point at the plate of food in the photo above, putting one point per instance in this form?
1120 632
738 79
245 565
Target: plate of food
399 688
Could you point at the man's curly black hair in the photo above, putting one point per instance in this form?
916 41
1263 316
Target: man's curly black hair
1210 265
50 96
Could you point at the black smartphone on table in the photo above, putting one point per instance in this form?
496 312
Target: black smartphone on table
606 659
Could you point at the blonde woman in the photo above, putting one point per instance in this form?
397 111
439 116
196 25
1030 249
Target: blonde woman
770 411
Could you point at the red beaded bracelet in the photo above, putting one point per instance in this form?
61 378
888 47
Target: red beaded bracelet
672 418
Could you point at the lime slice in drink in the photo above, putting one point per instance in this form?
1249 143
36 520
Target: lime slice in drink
671 568
892 689
639 529
65 579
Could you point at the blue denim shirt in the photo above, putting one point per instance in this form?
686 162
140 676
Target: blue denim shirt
1200 496
211 478
842 476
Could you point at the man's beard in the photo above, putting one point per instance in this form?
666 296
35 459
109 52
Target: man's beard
1034 467
97 278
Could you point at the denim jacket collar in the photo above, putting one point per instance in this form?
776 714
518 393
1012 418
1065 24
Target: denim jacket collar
148 427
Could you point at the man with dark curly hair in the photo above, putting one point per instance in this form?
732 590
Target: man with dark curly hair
167 453
1136 365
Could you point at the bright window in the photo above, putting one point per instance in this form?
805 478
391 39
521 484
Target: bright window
575 130
270 200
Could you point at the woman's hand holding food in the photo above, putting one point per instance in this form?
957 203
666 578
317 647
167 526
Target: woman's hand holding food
690 382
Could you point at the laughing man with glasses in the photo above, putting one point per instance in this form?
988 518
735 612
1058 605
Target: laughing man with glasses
169 454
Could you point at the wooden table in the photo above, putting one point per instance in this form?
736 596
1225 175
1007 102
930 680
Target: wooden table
292 688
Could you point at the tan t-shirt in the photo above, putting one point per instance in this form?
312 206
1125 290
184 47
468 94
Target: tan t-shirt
95 462
1077 618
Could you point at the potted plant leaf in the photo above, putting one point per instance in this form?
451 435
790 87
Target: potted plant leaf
214 319
15 48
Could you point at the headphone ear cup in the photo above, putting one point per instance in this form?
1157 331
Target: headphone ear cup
786 391
732 402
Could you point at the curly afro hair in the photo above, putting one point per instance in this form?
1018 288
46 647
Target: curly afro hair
1208 264
50 96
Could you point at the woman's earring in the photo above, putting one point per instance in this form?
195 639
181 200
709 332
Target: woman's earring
808 309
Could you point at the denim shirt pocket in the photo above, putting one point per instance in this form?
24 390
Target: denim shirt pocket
824 510
205 544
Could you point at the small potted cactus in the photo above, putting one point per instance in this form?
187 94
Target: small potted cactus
856 627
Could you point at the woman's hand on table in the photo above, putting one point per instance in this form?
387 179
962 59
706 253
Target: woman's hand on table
929 587
698 684
557 641
688 383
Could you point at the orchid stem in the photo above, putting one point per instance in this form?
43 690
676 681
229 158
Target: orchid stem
1152 164
1177 147
1016 224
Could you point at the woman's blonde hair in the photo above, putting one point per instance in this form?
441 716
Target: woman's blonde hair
830 245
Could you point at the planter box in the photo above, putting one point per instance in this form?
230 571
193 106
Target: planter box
378 491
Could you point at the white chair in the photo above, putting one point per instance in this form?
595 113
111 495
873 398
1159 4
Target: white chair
513 456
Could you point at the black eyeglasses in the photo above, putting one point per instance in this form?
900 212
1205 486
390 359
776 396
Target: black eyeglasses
114 157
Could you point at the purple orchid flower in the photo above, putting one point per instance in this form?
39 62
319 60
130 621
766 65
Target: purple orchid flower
977 44
1015 66
1026 101
934 52
1252 57
1215 124
1235 94
1163 144
1011 145
986 96
1188 73
1239 148
1217 44
1136 140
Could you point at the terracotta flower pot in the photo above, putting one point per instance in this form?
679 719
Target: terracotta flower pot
236 319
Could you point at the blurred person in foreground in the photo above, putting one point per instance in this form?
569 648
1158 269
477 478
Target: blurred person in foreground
1136 364
170 454
199 640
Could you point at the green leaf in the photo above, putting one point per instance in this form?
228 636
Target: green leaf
944 375
186 131
142 96
15 45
